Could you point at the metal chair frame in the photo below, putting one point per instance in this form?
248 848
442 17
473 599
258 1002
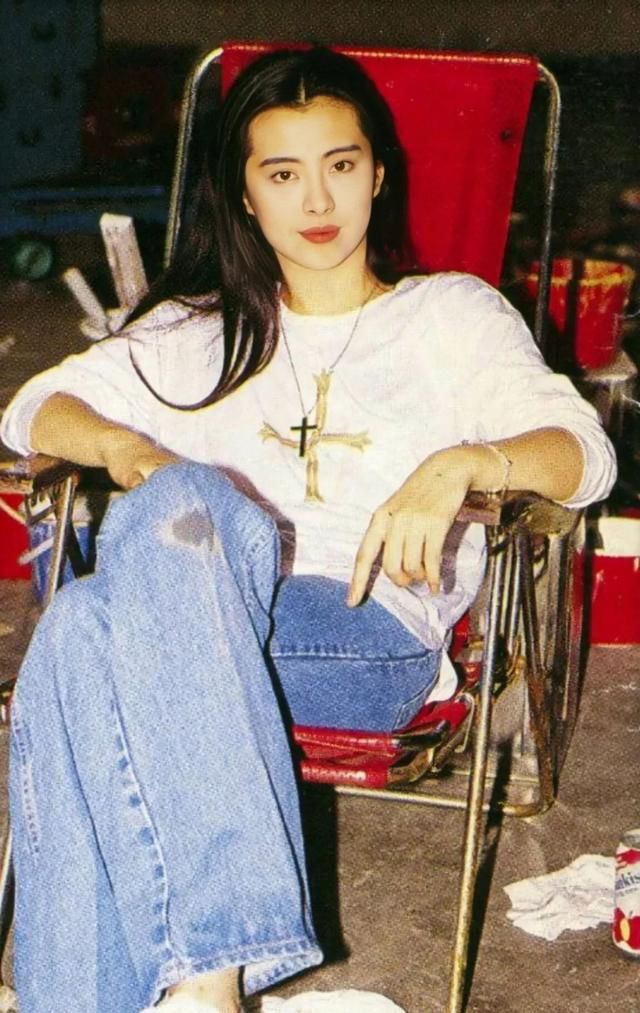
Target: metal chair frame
515 524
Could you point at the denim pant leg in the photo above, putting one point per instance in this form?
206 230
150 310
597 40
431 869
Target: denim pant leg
346 668
152 792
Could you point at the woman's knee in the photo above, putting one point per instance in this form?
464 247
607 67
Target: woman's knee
187 505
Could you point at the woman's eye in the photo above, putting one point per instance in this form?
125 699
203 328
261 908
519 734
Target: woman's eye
344 165
282 176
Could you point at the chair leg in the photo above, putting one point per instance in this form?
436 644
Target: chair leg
64 513
537 693
6 895
475 808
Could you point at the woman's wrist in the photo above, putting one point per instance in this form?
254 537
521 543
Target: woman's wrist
494 474
480 466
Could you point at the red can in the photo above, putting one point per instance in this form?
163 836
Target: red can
626 915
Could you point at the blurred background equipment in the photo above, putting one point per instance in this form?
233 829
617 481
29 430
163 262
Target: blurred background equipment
84 129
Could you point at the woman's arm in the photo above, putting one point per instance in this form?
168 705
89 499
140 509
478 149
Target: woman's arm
411 526
547 461
547 439
64 426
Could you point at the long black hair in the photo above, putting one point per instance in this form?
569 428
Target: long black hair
221 256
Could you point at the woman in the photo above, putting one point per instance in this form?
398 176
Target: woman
314 574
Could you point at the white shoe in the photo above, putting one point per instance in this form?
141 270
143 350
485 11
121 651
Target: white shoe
343 1001
181 1004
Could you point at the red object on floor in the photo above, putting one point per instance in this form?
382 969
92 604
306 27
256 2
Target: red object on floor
14 541
615 583
615 600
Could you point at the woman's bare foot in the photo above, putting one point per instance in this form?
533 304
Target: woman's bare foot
218 991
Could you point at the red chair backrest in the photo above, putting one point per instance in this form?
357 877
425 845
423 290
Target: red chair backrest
461 118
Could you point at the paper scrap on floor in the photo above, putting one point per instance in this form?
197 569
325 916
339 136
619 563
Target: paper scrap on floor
342 1001
579 896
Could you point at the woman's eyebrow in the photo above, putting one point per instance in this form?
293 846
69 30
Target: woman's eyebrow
342 151
277 159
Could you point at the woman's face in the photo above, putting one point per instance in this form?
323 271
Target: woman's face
309 180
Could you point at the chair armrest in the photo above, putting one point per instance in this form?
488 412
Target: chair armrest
34 474
519 508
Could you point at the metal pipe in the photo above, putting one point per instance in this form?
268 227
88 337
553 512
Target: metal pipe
536 680
63 510
552 140
514 599
520 810
185 134
475 803
6 892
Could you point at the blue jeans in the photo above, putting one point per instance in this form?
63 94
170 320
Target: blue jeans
153 797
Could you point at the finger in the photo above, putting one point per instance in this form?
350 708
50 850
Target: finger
134 479
413 553
365 558
393 555
432 556
123 479
146 469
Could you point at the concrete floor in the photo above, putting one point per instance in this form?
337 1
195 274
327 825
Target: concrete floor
385 875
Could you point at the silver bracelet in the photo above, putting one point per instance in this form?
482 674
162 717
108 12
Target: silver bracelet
507 462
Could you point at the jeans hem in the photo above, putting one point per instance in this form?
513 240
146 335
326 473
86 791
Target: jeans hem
291 956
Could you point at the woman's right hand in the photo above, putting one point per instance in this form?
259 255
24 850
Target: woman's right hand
65 426
131 458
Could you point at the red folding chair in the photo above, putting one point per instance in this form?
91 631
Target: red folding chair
461 118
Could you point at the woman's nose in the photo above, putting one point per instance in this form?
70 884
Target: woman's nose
318 199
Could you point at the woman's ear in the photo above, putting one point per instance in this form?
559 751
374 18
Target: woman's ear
247 204
379 176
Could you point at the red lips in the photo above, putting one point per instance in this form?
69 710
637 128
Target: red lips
321 235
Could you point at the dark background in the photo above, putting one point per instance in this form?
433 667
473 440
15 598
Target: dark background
592 46
99 100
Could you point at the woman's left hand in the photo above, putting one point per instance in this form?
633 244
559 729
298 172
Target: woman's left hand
411 526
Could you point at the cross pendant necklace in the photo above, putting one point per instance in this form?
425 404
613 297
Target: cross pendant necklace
303 429
305 425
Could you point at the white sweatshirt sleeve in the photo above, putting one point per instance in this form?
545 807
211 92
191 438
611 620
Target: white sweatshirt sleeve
173 347
101 377
512 391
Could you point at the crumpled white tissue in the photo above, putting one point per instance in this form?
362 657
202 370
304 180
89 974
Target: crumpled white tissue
579 896
343 1001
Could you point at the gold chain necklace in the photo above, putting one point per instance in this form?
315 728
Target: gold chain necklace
305 426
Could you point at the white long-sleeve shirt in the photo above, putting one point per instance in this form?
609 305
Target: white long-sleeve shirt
433 362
